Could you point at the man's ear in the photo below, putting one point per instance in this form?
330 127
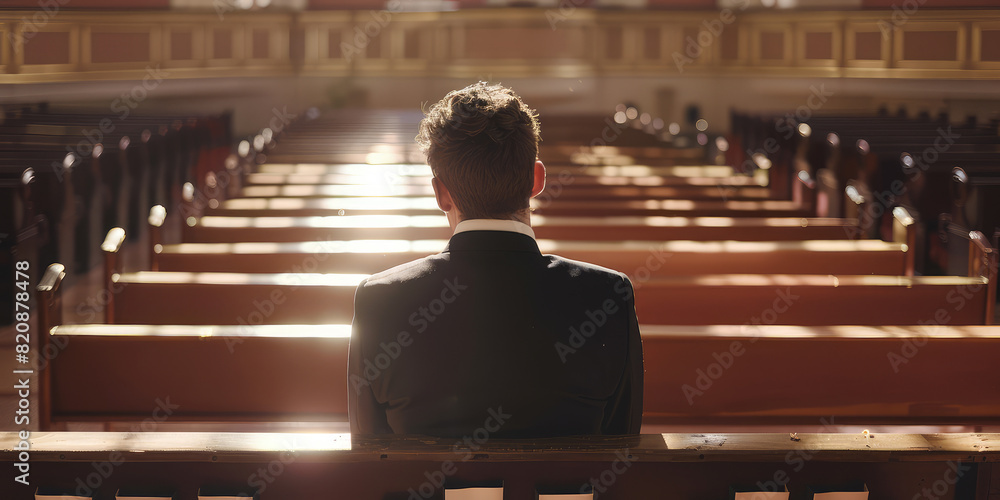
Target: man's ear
442 195
539 184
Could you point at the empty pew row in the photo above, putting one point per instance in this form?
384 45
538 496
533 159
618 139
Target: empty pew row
562 185
227 298
755 373
194 297
669 258
223 229
679 174
572 180
869 150
685 179
87 182
340 200
889 466
311 297
660 258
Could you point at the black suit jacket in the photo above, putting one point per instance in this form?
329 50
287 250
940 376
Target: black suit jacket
492 336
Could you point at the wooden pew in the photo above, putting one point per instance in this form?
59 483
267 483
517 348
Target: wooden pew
298 373
562 184
859 257
229 298
684 176
111 172
152 297
340 200
215 229
974 147
317 465
721 373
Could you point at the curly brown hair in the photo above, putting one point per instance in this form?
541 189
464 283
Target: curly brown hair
481 142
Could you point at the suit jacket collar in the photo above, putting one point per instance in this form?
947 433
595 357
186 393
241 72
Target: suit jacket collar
491 241
494 225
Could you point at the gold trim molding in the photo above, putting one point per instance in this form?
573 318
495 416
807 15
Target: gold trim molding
375 43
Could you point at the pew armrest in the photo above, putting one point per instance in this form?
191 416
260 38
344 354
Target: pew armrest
114 240
853 194
805 179
983 263
50 312
52 278
49 315
904 230
157 215
112 266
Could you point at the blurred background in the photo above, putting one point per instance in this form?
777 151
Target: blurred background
675 60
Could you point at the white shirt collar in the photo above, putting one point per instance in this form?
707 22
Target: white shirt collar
494 225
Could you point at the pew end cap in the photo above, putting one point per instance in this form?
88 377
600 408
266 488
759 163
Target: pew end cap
902 215
157 215
113 242
52 278
187 192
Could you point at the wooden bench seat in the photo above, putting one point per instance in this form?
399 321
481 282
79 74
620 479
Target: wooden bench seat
669 258
417 200
327 464
589 187
814 299
216 229
562 185
612 176
779 374
379 171
151 297
231 298
670 207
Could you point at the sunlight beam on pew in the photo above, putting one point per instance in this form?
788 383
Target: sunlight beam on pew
376 202
289 279
318 247
331 331
355 221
